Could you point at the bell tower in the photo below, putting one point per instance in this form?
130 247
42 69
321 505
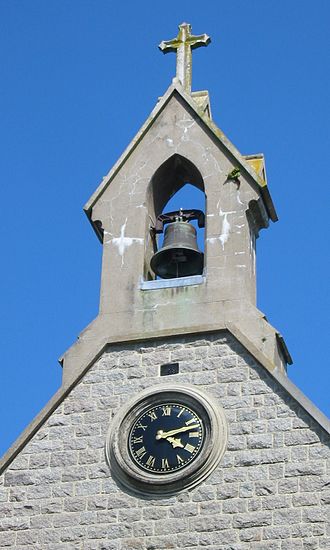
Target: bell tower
174 287
176 426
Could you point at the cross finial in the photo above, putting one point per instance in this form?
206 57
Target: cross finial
182 45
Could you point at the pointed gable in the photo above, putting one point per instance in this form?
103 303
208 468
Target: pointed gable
252 166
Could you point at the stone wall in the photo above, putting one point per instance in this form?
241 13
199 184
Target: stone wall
271 490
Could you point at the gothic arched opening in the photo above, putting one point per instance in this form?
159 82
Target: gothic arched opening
177 184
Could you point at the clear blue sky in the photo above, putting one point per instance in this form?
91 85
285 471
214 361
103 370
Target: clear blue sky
79 78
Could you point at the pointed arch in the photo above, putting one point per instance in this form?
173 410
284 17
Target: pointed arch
170 177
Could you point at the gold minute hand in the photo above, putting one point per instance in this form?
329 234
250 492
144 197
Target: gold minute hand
164 435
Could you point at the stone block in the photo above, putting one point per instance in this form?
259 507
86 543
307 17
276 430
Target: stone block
128 515
250 535
288 486
282 532
7 539
234 506
304 469
19 477
74 504
184 510
216 539
210 523
286 516
162 543
260 441
146 529
256 519
73 534
106 516
316 514
97 502
51 506
301 437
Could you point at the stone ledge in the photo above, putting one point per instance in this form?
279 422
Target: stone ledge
172 283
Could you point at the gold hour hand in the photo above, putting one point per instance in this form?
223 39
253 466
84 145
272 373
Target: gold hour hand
175 442
164 435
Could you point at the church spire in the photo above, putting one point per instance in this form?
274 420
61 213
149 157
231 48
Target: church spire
182 45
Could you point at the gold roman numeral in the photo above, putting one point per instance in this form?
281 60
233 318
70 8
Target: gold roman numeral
193 434
179 459
138 439
189 448
167 410
165 464
180 413
150 461
141 452
152 415
191 421
141 426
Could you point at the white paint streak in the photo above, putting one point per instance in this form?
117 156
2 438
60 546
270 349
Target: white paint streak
225 228
123 242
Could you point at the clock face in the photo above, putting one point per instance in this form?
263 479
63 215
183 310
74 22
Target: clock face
166 437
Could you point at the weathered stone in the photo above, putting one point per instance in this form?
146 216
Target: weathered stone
73 534
263 441
210 523
259 495
184 510
129 515
304 469
155 512
7 539
301 437
105 516
286 516
282 532
257 519
74 504
145 529
234 506
313 514
249 535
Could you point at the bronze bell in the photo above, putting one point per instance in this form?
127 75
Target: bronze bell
179 255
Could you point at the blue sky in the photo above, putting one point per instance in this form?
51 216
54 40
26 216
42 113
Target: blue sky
78 80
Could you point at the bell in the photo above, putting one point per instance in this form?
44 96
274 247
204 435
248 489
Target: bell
179 255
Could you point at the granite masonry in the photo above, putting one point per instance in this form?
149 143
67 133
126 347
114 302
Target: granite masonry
271 490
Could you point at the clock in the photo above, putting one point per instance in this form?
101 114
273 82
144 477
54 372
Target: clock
166 439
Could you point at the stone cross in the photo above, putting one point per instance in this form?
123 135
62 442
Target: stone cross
182 45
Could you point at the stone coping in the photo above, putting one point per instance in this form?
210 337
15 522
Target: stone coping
172 283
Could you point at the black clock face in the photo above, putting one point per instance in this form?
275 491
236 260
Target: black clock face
166 438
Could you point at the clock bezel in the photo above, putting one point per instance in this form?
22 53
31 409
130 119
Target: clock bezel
138 480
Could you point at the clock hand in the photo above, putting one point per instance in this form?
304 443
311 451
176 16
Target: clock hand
175 442
163 435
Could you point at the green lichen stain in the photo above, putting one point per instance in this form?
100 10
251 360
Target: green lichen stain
173 301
